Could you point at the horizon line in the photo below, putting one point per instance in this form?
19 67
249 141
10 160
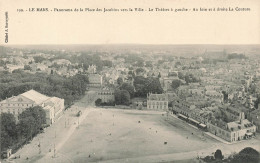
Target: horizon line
118 44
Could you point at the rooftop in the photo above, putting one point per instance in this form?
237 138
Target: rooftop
35 96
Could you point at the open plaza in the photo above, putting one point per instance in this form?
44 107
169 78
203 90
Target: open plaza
119 135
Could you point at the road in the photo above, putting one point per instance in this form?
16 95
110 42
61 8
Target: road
56 135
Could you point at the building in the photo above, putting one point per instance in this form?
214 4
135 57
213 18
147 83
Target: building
92 69
61 62
166 82
139 102
214 95
95 80
182 107
53 106
232 131
106 95
233 112
254 117
157 101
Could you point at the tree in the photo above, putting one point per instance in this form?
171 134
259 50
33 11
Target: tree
225 95
177 64
98 102
257 101
119 81
218 155
129 88
31 121
143 86
139 70
122 97
69 89
38 59
139 63
148 64
247 154
159 75
8 130
27 127
190 78
236 56
161 62
176 83
27 67
107 63
181 75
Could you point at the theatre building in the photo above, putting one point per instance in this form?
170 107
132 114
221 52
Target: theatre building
53 106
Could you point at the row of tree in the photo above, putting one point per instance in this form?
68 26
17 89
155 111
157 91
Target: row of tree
188 78
13 134
141 87
247 154
70 89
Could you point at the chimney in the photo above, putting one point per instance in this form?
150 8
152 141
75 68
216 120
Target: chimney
241 117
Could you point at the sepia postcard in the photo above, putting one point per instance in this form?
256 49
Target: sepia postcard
129 81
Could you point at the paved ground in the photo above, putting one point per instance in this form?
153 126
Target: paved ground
57 134
114 135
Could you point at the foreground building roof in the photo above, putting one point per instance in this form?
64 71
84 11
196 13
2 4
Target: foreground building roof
37 97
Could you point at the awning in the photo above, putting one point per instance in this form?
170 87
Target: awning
249 133
203 125
194 120
182 116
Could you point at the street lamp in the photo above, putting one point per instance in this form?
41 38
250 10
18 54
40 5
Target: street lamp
78 122
54 151
39 146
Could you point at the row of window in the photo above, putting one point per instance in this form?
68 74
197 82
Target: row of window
13 111
17 104
104 97
251 130
157 107
157 99
157 103
106 93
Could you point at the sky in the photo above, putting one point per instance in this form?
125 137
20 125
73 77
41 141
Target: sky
143 27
